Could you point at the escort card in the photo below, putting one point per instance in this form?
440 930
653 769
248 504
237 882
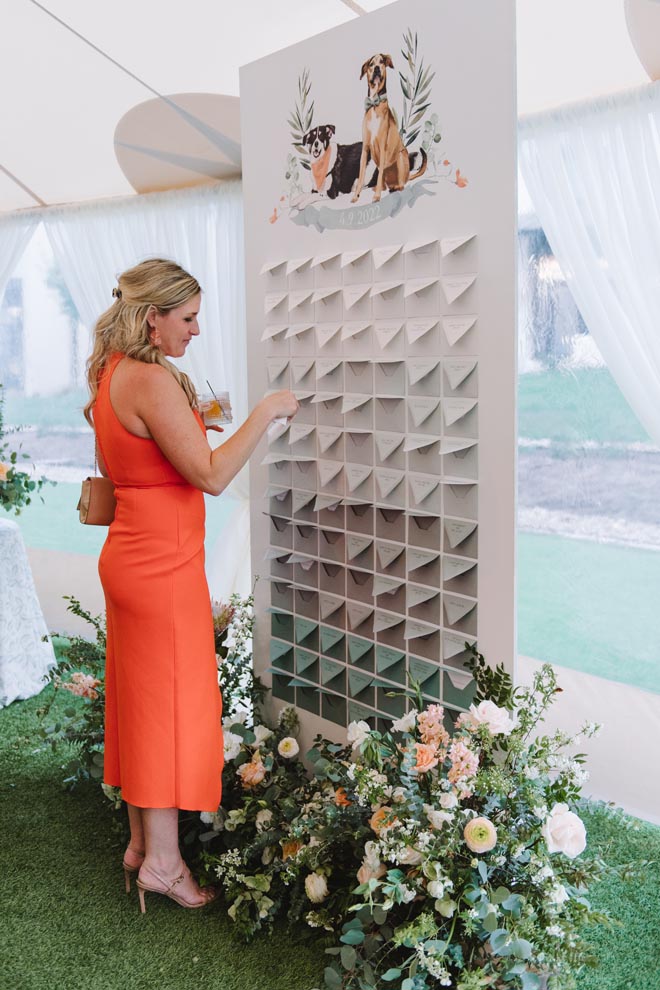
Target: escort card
457 608
457 531
298 297
454 286
388 480
328 435
381 255
421 407
416 285
353 293
450 244
356 544
419 368
456 327
386 331
356 475
388 552
455 409
325 332
457 369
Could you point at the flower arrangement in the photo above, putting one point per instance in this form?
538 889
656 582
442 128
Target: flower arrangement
16 487
438 854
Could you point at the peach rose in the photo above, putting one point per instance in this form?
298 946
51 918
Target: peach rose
369 871
82 685
4 470
382 818
341 799
291 848
427 757
252 773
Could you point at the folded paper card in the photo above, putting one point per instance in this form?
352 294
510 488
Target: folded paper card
354 293
414 286
421 407
327 436
458 530
387 657
387 443
325 332
460 679
349 330
386 620
388 480
328 470
416 594
325 366
353 400
453 567
382 288
277 429
415 629
327 501
321 295
319 397
384 585
330 670
387 553
420 246
456 445
271 266
454 286
456 327
299 431
457 369
456 607
454 409
274 331
418 441
386 331
300 499
419 368
356 544
296 265
300 367
421 486
381 255
304 628
453 644
357 613
272 300
276 366
304 660
420 558
358 682
298 297
329 604
324 259
273 553
450 244
297 330
357 648
350 257
330 637
421 670
356 475
276 491
418 327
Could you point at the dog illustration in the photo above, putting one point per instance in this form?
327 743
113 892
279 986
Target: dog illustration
335 167
381 140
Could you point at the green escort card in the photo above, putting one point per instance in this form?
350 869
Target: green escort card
358 682
330 637
358 647
358 712
331 670
387 657
307 699
304 628
333 707
455 694
304 660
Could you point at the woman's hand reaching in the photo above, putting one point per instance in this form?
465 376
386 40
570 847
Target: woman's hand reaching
281 405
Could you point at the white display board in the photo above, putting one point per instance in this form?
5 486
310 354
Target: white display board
383 518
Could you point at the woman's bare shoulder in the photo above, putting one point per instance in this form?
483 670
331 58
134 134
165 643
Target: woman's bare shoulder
140 374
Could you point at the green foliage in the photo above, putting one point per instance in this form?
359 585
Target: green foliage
492 683
301 118
16 487
416 88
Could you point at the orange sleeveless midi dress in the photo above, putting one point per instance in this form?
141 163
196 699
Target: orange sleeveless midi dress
163 732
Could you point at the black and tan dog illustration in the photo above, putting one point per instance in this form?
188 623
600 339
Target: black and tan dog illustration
381 140
335 167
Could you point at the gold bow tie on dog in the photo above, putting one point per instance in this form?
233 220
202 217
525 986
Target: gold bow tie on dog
373 101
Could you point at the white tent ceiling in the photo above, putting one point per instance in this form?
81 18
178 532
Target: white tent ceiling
61 99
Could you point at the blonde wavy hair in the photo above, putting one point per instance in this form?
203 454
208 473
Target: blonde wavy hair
124 328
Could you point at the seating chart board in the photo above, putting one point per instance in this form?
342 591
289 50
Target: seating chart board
381 291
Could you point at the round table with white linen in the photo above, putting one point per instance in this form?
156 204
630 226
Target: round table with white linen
25 656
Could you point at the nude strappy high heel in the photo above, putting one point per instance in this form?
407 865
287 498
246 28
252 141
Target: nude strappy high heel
131 869
168 888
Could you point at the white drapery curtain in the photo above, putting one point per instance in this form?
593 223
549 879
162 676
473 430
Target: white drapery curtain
16 231
201 229
593 174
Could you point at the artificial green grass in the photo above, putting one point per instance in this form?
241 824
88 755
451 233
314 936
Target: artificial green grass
68 925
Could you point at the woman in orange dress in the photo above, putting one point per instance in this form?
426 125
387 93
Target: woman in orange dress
163 734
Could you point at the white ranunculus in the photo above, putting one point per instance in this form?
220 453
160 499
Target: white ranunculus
208 817
261 734
446 907
497 719
399 795
558 894
436 888
407 723
357 732
564 832
448 800
264 818
410 856
232 745
316 887
288 747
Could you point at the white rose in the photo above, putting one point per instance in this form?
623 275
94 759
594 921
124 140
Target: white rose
448 800
399 795
261 734
446 907
437 818
407 723
371 853
208 817
497 719
436 888
558 894
564 832
232 745
357 732
288 747
264 818
316 887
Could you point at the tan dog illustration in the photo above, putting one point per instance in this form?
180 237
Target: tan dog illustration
380 135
